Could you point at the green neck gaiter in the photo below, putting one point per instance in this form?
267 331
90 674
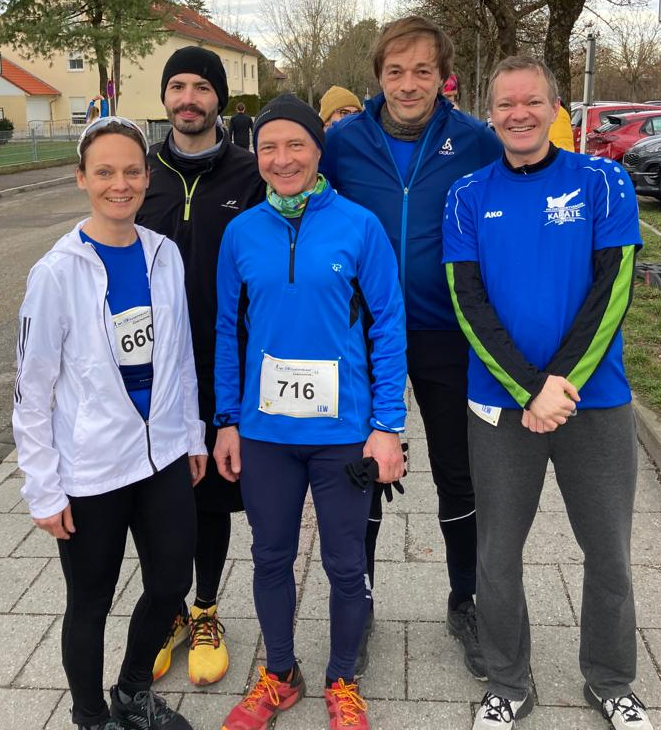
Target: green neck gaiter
293 206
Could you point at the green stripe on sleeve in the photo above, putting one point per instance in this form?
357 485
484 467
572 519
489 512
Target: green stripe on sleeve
520 394
613 315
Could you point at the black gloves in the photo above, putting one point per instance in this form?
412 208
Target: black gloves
365 471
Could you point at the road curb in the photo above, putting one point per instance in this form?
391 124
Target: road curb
649 430
37 186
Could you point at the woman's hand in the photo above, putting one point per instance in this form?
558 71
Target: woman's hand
59 525
198 467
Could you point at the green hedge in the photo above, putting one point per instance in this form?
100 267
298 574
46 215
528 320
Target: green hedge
251 101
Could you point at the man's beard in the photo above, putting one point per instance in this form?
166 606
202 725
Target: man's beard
197 126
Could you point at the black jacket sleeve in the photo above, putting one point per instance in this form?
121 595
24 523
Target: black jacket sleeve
487 335
600 317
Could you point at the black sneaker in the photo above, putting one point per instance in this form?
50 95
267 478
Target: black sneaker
109 724
146 711
363 660
461 624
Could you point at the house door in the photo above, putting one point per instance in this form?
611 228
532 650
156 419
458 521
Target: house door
38 114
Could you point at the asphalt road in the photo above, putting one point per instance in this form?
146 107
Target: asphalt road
30 223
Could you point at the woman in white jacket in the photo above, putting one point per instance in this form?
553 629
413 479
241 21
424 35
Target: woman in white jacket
107 428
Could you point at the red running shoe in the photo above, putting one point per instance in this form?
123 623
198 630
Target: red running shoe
346 707
268 698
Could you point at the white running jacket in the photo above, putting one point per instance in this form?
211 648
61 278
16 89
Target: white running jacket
76 429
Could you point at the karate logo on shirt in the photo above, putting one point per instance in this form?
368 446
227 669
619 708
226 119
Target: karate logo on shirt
559 212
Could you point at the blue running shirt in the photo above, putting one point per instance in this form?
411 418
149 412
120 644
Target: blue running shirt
129 300
533 237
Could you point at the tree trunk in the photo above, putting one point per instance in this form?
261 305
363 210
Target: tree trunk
563 14
103 76
507 22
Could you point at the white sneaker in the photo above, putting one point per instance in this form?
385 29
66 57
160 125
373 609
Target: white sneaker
623 713
499 713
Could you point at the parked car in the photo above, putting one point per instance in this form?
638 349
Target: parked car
621 131
598 112
643 163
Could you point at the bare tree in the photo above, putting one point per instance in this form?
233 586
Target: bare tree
348 63
632 55
304 31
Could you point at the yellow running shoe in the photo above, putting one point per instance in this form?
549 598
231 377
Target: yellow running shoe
207 656
177 635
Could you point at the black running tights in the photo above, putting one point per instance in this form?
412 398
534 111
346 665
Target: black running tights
160 512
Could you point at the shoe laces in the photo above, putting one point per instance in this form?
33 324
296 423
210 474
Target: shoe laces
153 705
497 708
351 704
178 621
629 706
205 629
267 684
471 619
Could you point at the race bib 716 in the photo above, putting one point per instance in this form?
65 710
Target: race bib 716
299 388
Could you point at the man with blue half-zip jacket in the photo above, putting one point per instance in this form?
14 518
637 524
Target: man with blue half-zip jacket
199 182
398 158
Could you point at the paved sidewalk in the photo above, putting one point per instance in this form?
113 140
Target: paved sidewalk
25 180
416 679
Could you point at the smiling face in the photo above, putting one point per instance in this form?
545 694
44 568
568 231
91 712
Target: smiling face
115 178
522 113
288 157
191 104
410 80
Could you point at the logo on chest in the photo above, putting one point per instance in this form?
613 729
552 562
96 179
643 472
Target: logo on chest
231 204
446 149
559 210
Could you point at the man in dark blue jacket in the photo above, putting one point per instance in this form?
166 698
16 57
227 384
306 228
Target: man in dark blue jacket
398 158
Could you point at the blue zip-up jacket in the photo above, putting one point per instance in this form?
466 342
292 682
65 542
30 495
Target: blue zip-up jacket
359 164
329 293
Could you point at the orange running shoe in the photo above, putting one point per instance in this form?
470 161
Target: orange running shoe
268 698
346 707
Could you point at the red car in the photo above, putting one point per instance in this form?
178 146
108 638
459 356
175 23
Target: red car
597 115
621 131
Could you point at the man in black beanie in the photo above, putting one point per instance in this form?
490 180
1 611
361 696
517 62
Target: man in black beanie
199 183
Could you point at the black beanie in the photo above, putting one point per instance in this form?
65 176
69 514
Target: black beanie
290 107
196 60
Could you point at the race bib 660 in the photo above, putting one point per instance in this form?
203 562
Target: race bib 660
134 336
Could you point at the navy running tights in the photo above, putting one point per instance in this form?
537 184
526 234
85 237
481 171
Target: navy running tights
274 482
160 512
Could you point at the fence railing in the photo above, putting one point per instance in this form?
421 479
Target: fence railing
40 141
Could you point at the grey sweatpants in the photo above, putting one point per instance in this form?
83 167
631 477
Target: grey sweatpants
594 455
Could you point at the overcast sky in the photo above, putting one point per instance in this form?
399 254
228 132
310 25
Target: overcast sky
244 16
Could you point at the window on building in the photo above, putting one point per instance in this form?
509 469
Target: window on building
78 107
76 62
2 113
236 69
226 65
245 70
252 70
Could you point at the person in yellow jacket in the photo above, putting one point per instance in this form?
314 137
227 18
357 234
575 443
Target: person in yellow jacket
560 132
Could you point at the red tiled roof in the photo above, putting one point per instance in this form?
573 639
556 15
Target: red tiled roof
188 23
278 74
24 80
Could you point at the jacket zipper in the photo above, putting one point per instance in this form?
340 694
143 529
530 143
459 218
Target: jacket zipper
188 193
105 327
292 242
292 256
405 202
